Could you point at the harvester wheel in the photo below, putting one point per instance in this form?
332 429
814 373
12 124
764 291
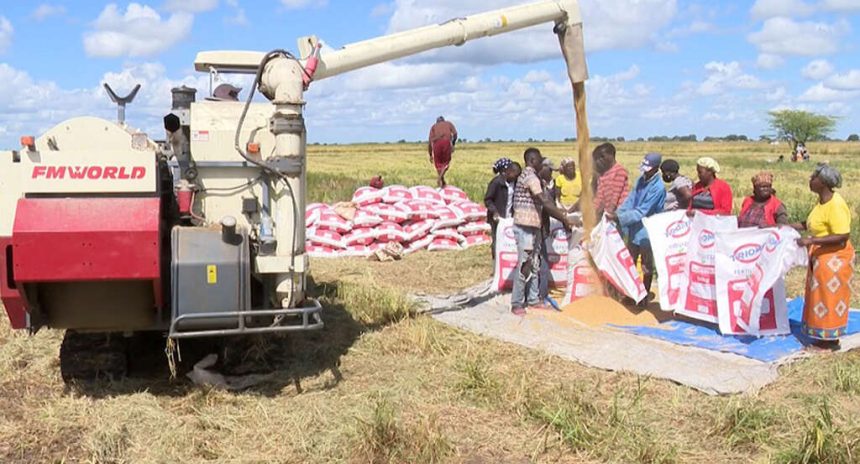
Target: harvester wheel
93 356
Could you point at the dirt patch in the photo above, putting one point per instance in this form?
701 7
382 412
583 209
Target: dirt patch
595 311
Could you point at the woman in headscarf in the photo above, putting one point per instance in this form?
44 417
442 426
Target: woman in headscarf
831 260
710 195
762 208
500 192
568 185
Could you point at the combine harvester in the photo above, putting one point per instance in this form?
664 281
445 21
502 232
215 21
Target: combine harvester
104 235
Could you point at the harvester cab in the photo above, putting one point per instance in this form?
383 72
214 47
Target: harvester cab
104 232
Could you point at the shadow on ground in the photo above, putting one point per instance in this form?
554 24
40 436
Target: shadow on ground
286 359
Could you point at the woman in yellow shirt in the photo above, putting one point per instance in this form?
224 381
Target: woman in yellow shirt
568 185
831 259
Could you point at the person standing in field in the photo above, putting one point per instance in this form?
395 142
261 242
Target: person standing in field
550 193
529 204
647 199
680 187
710 195
611 186
831 261
762 208
568 186
499 198
440 146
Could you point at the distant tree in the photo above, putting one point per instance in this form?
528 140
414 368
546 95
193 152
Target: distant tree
619 139
854 138
640 139
798 126
764 138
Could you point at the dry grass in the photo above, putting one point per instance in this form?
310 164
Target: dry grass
381 385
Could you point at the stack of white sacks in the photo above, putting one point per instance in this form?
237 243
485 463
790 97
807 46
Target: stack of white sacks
418 218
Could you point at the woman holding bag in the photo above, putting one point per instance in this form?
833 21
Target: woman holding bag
831 261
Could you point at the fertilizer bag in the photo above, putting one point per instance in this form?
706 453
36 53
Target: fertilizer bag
558 245
698 296
669 234
506 256
614 262
750 267
582 281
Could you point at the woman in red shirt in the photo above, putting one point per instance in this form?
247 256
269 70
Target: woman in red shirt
762 208
710 195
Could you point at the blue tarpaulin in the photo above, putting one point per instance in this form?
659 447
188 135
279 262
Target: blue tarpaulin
767 349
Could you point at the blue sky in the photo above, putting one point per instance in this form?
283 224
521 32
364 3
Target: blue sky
658 67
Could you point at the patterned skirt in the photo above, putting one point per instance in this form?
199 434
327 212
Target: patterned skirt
828 291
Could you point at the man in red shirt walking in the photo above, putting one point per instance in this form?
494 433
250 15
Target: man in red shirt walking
612 185
443 137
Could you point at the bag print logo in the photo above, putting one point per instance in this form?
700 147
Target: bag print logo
678 229
707 239
747 253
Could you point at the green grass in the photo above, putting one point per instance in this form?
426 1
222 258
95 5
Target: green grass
822 442
844 377
382 438
745 423
478 381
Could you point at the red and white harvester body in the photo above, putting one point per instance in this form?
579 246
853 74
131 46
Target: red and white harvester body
105 232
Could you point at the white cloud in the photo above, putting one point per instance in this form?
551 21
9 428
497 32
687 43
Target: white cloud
817 70
721 116
821 93
666 112
768 61
238 19
619 23
45 10
536 103
841 5
402 76
382 9
6 32
723 77
190 6
30 107
764 9
838 109
537 76
299 4
776 94
139 31
615 24
784 36
695 27
847 81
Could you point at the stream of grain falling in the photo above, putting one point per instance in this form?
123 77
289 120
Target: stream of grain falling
572 42
585 161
